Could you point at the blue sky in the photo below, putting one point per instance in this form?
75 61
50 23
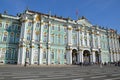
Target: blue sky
101 12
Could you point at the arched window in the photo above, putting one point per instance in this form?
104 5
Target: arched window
58 27
28 35
45 37
17 37
52 55
45 26
30 24
65 39
6 26
52 27
12 37
37 33
65 56
5 36
44 55
52 38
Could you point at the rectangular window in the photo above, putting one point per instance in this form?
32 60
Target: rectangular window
59 28
45 26
65 29
37 36
45 38
38 24
30 24
6 26
53 27
18 27
17 37
65 40
44 55
28 36
12 37
5 38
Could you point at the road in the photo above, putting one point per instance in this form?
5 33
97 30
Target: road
59 73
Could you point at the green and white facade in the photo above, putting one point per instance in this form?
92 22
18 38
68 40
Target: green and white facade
38 38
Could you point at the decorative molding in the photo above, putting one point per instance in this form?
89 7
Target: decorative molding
32 46
38 18
22 46
25 20
69 28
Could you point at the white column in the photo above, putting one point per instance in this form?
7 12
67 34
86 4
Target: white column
48 46
41 31
69 56
80 56
99 40
69 37
113 43
78 43
118 56
88 43
21 55
22 49
83 39
40 55
111 55
48 56
23 29
32 44
93 40
114 57
31 54
93 56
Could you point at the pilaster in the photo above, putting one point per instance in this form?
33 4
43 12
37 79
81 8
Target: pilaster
40 54
88 39
83 39
98 35
80 53
69 35
111 56
21 54
69 55
115 57
41 31
32 53
23 29
93 56
93 39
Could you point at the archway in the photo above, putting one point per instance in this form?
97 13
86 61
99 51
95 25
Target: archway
86 56
97 56
74 56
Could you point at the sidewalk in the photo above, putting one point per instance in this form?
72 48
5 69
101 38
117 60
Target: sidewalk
43 65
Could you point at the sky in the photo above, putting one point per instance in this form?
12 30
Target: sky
105 13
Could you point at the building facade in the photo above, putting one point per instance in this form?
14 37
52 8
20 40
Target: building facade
38 38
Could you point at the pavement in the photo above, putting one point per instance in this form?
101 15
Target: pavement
55 72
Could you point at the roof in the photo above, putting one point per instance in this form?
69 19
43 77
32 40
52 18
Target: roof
59 17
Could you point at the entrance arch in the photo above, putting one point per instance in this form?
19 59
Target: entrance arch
97 56
74 56
86 56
